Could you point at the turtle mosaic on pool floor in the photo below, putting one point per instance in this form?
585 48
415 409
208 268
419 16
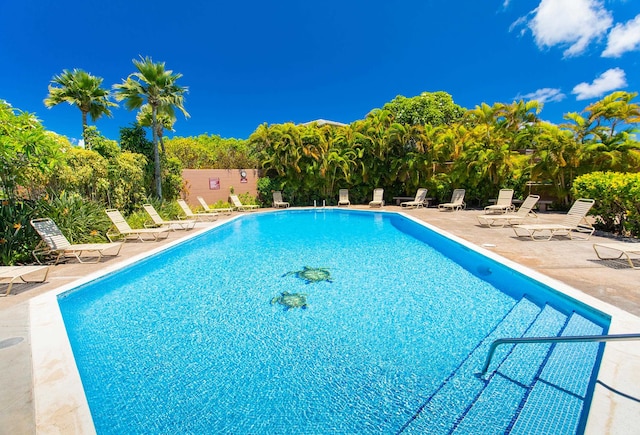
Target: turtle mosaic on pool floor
312 274
291 300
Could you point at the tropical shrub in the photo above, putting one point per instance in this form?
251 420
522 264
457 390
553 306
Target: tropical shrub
84 172
617 198
138 219
219 204
168 210
17 237
248 199
127 181
107 148
212 152
104 174
266 186
80 220
172 183
134 139
25 147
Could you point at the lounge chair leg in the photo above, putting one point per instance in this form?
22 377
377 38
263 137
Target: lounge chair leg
8 288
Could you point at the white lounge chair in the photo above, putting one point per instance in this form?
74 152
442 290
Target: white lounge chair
574 222
207 209
500 220
343 197
626 249
124 231
11 274
242 207
277 200
54 243
180 224
457 201
503 203
418 201
378 200
209 216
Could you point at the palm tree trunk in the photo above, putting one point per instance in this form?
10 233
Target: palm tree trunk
84 131
160 138
156 153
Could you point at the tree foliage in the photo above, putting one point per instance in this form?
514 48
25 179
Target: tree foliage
424 141
155 87
25 150
83 90
617 207
488 148
134 139
104 174
212 152
432 108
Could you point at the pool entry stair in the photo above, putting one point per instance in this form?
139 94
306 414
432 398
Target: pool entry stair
562 339
530 388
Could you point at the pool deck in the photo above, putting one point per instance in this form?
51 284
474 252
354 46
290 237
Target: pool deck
608 285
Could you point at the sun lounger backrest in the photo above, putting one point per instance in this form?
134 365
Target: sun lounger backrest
578 211
581 207
50 234
185 208
155 217
277 196
421 194
118 220
378 194
203 203
528 204
457 197
504 197
344 194
236 202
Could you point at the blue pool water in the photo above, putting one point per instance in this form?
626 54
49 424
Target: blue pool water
188 340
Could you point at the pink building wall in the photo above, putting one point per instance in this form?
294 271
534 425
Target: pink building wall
214 184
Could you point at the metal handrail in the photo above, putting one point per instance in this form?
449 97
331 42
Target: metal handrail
565 339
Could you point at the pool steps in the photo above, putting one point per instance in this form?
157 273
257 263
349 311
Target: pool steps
465 403
562 380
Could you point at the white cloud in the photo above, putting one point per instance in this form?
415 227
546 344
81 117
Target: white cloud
623 38
575 23
544 95
608 81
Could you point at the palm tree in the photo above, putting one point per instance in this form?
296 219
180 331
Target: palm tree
164 122
606 129
155 86
557 158
82 89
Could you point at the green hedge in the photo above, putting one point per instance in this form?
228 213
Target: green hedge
617 198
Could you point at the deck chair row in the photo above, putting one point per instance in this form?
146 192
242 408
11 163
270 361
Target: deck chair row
574 221
343 198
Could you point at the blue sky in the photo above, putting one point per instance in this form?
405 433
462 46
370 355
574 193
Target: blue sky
251 62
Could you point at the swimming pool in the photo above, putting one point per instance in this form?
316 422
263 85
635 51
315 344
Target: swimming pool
170 345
